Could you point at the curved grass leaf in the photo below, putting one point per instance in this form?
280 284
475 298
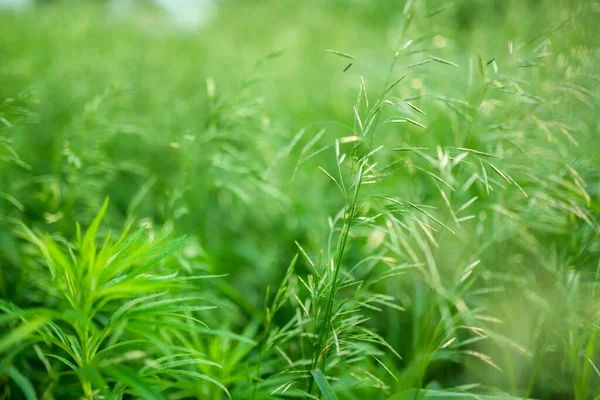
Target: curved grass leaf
323 385
21 333
23 383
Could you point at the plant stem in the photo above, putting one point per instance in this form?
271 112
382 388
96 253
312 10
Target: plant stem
350 210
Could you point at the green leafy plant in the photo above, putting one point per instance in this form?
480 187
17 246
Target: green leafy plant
118 318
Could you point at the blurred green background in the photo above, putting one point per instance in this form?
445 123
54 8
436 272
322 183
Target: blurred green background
186 126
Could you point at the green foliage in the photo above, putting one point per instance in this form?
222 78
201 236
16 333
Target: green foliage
324 386
402 203
442 395
119 314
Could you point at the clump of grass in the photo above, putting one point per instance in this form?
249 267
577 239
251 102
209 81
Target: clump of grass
115 318
454 317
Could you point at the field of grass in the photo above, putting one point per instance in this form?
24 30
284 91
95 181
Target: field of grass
336 199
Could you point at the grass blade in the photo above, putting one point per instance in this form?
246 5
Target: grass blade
323 385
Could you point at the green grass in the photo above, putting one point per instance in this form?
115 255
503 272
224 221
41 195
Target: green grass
301 200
